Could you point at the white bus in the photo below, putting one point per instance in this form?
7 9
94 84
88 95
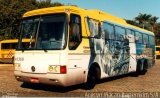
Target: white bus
69 46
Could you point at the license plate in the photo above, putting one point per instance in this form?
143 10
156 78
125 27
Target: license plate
34 80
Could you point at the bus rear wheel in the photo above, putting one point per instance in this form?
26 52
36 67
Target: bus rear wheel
145 68
138 69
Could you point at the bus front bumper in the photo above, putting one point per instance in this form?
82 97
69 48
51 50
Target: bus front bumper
48 78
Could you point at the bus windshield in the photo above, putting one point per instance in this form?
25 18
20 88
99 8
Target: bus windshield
45 32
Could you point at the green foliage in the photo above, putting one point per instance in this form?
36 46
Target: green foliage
11 12
149 22
132 22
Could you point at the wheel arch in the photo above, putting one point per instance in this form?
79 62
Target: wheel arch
92 67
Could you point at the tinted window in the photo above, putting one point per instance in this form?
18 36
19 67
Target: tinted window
151 40
120 33
8 45
129 31
94 27
75 32
90 26
44 32
145 39
109 30
139 37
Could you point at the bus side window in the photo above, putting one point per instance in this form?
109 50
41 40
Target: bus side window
75 32
109 31
139 37
151 40
5 46
120 33
95 28
91 27
145 39
108 34
130 32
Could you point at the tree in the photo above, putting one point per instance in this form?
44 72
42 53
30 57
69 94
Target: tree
57 4
47 3
149 22
153 22
11 12
143 19
132 22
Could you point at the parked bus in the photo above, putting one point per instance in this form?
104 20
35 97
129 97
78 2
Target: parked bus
70 45
157 52
7 50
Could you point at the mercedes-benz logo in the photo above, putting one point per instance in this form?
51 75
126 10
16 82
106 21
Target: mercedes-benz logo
33 69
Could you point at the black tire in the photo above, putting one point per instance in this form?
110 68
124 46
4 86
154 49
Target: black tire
93 76
26 84
30 85
91 82
145 67
138 69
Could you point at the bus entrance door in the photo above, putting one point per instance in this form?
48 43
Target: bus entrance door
132 45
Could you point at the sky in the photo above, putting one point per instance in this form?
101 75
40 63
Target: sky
127 9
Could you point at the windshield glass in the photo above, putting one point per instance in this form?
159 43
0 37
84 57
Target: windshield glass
45 32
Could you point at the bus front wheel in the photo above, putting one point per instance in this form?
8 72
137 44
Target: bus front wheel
93 76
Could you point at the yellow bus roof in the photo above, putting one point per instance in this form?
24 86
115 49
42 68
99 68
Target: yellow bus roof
140 29
106 16
50 10
96 14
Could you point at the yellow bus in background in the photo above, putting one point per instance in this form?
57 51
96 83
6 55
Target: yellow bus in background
157 52
8 48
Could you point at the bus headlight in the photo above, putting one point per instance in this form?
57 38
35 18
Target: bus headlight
61 69
17 66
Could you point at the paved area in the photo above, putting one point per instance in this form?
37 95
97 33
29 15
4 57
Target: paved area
126 85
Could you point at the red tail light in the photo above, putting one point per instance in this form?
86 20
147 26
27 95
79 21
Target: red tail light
63 69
